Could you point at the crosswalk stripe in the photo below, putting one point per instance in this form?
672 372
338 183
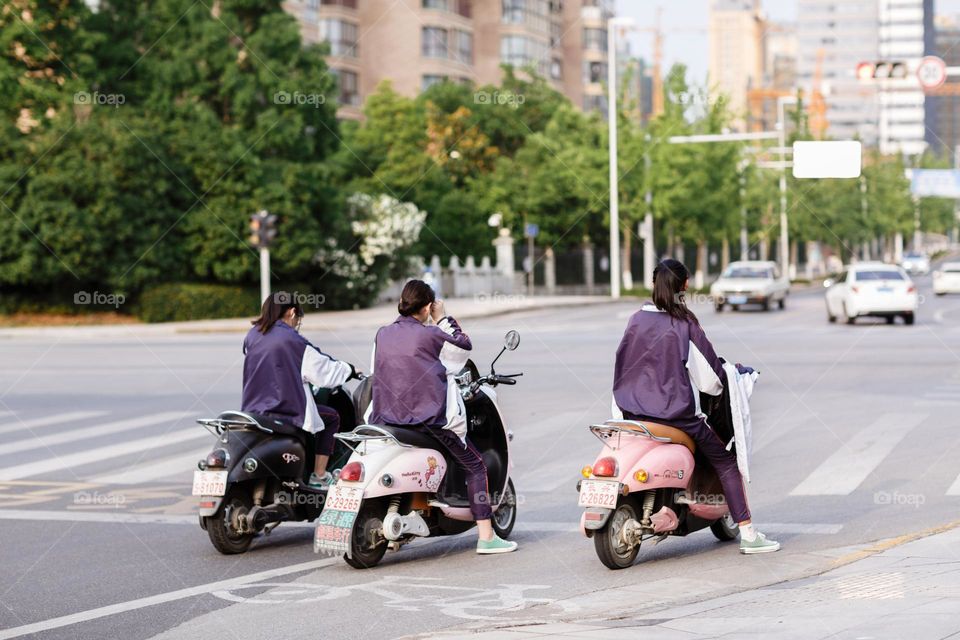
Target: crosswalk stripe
181 463
46 421
849 466
59 463
954 489
62 437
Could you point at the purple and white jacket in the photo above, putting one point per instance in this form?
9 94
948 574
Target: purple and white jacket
662 366
279 367
414 366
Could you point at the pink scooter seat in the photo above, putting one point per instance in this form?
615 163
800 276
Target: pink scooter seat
675 435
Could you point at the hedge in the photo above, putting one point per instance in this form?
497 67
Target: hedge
188 301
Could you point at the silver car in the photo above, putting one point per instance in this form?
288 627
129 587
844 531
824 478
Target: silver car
750 282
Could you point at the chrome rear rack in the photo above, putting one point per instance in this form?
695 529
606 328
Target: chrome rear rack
615 428
367 432
217 426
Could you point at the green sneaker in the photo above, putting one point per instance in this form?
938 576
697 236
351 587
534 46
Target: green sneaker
319 482
760 544
495 545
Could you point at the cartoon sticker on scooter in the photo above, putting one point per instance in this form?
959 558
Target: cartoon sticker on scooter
434 484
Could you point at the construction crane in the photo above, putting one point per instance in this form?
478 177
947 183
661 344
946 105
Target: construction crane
817 108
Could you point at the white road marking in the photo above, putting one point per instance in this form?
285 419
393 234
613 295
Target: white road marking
62 437
182 464
113 517
59 463
161 598
60 418
849 466
772 527
954 489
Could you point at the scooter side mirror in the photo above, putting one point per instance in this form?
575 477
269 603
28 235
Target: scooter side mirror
512 340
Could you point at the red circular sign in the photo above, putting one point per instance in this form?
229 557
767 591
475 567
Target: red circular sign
932 72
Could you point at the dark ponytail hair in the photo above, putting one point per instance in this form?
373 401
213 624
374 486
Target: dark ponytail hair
416 295
274 308
668 280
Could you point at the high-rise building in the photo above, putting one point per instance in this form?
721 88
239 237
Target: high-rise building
889 115
416 43
943 124
635 79
735 34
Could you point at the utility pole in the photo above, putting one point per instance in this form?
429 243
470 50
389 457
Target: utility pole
784 232
744 239
649 248
263 230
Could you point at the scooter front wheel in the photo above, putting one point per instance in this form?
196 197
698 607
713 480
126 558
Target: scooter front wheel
506 514
367 544
223 527
611 550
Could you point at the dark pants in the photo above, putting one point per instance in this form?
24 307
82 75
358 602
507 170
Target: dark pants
323 441
723 462
471 462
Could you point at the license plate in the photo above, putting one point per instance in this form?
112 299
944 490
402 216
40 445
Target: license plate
341 498
335 525
599 493
209 483
737 299
885 289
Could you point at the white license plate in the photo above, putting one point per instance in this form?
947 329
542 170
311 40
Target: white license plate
737 299
343 498
599 493
209 483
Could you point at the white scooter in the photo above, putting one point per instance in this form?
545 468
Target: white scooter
398 486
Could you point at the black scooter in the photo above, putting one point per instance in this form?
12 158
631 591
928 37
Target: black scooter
256 476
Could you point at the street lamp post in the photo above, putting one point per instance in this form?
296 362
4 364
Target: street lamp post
612 25
784 233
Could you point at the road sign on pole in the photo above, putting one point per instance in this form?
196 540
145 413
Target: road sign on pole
932 72
935 183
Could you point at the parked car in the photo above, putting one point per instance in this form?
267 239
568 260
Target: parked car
750 282
946 279
871 289
916 263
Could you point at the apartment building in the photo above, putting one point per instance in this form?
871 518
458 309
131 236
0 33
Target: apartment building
735 34
416 43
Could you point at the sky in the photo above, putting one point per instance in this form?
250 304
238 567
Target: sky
685 27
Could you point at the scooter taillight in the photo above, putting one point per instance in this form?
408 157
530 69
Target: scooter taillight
606 468
217 458
352 472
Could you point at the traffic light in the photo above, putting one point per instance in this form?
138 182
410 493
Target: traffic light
263 229
882 70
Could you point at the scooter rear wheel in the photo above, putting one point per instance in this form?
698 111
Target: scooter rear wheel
725 528
222 526
612 553
367 546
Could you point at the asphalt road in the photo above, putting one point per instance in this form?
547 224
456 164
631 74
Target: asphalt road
856 441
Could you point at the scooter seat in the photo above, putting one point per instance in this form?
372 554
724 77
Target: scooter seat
676 436
413 437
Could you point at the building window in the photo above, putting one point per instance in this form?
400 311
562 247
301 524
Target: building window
556 69
594 72
349 4
460 7
434 43
463 46
341 35
521 51
349 87
440 5
430 79
595 39
533 13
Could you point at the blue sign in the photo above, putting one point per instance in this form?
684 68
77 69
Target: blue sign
935 183
531 231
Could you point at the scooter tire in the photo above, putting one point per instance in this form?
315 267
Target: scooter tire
725 529
364 555
221 525
606 540
506 516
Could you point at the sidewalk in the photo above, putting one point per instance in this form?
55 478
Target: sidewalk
461 308
889 590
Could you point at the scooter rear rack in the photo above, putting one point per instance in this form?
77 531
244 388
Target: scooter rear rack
366 432
616 428
217 426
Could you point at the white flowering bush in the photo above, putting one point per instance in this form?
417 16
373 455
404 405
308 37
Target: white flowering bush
383 230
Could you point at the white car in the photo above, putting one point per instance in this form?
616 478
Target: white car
872 289
916 263
750 282
946 279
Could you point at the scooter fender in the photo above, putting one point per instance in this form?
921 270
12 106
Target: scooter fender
393 470
666 465
208 507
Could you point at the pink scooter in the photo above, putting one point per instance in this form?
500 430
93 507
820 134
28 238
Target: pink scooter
644 485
